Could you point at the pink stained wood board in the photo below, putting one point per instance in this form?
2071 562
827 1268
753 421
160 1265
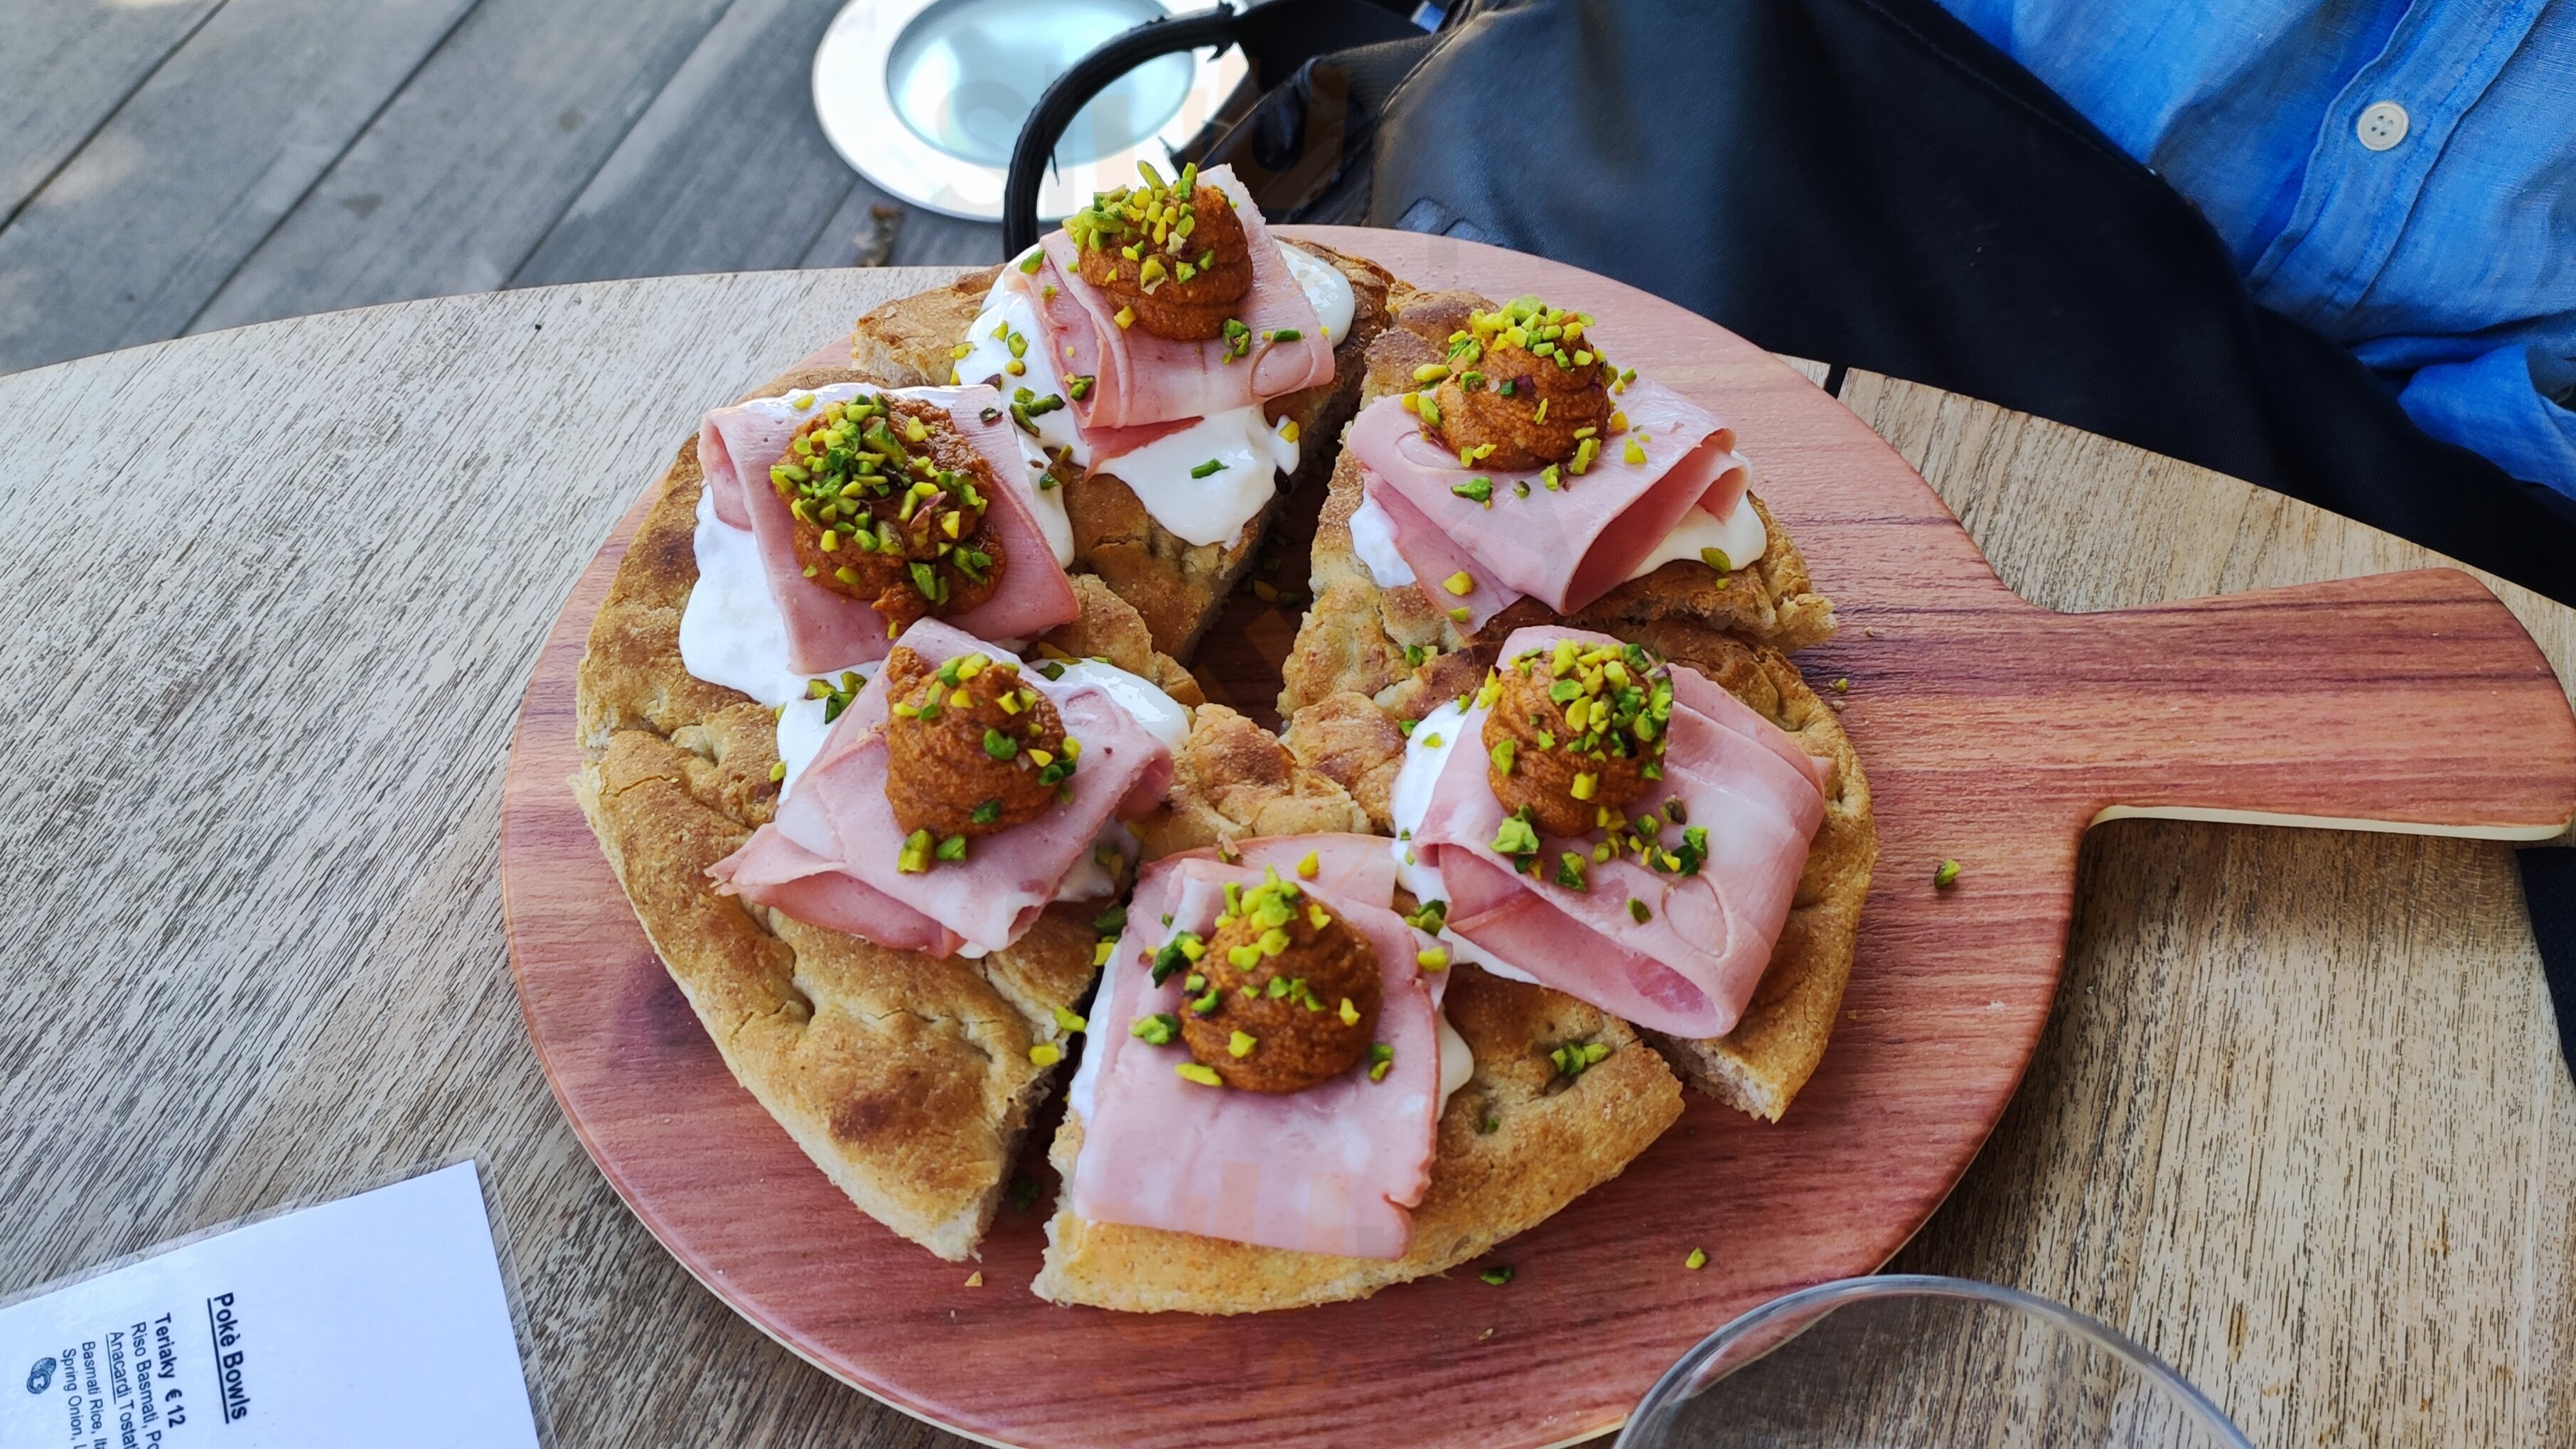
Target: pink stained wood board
1993 732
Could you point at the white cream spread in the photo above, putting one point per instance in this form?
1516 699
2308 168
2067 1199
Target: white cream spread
1008 311
801 728
1089 879
1162 716
1326 289
1172 478
1426 752
1457 1061
1200 510
731 633
1373 539
1740 536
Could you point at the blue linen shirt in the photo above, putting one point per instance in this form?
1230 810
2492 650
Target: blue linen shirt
2446 261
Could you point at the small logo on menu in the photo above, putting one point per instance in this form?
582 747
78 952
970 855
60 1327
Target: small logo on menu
40 1377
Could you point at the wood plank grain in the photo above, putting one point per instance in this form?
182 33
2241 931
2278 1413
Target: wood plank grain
1992 730
66 68
251 952
129 241
2299 1122
727 170
929 239
458 180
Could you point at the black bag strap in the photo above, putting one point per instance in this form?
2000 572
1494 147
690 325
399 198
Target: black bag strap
1278 38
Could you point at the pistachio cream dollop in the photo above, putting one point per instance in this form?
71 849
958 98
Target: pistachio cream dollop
1572 737
1287 993
1174 252
1524 387
971 749
889 505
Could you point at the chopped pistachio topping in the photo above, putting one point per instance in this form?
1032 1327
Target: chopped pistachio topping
1204 1076
1478 488
1947 876
1208 469
1046 1054
1697 1260
1310 865
1575 1058
1460 583
1381 1057
1432 958
1716 558
1160 1029
1349 1014
1498 1275
1184 949
1070 1021
1158 214
1569 872
1639 911
1242 1044
914 858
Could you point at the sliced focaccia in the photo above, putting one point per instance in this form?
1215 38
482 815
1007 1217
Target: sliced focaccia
907 1075
1370 660
1120 519
1234 1180
1370 638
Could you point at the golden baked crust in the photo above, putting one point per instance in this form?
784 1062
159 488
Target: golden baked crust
905 1077
1178 587
1349 662
1517 1143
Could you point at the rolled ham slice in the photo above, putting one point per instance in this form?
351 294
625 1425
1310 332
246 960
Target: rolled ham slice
1138 378
1336 1168
1691 967
828 859
827 630
1566 546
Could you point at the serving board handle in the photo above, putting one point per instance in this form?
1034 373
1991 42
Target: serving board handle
2408 701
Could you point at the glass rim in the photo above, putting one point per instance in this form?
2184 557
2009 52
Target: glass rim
1674 1385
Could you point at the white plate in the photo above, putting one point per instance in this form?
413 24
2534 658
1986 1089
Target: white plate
925 97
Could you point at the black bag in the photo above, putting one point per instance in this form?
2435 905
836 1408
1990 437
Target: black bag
1866 182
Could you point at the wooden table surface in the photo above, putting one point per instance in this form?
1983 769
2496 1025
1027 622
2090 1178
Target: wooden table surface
2299 1122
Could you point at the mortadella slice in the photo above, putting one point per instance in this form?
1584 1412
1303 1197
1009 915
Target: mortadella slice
1138 378
829 858
1691 965
828 630
1336 1168
1564 546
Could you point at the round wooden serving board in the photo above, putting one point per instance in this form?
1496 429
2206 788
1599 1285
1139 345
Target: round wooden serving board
1994 732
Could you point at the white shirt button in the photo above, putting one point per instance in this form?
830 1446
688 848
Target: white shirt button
2382 124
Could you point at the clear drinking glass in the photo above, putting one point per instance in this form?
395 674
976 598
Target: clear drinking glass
1899 1361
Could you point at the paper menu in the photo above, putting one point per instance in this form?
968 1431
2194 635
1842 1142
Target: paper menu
378 1319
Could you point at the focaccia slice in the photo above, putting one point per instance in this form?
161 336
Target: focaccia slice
1365 657
1357 635
1516 1144
906 1078
1178 587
